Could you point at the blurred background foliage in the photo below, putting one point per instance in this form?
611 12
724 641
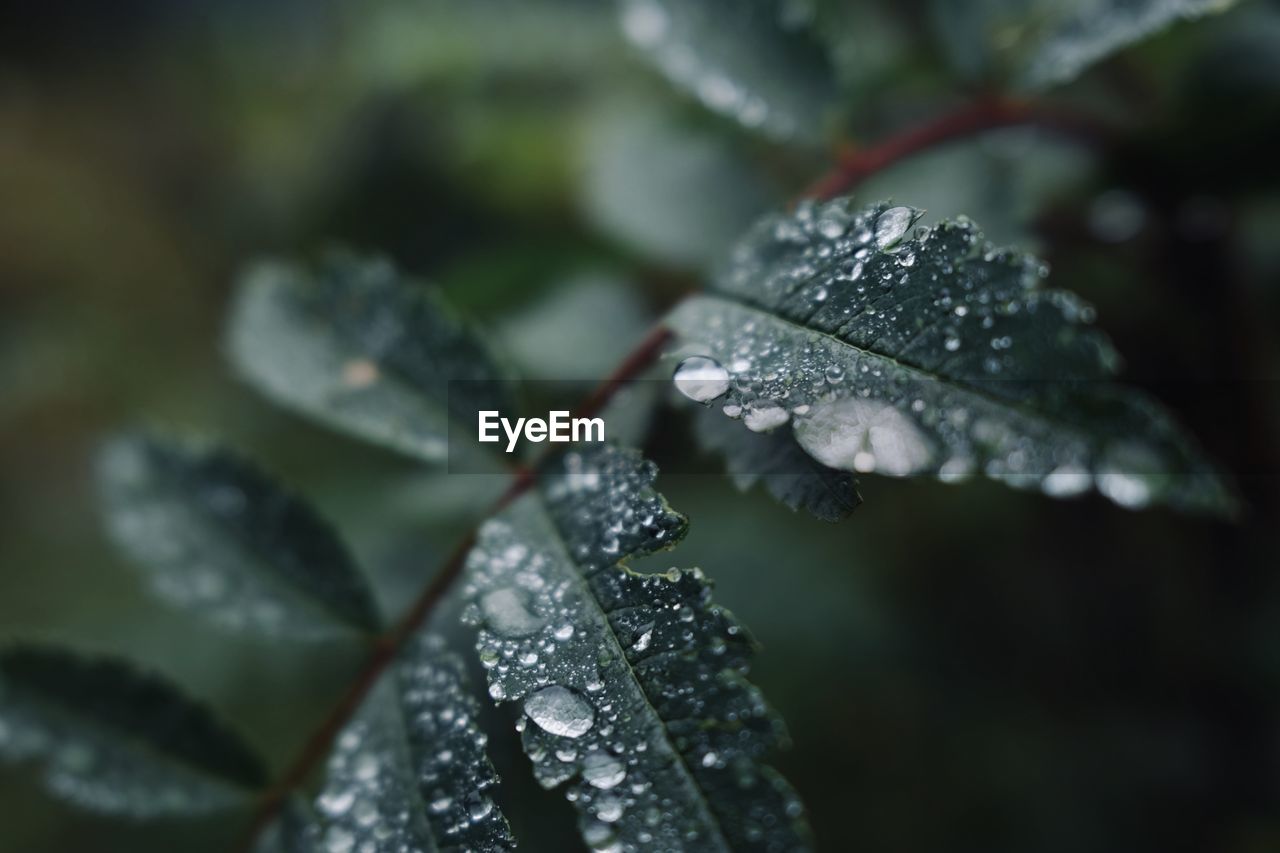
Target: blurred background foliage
962 668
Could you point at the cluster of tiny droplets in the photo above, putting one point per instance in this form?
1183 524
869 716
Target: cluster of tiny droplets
930 356
630 685
380 797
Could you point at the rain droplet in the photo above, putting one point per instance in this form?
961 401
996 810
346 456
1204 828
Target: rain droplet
764 415
891 225
701 379
506 614
1066 481
560 711
602 770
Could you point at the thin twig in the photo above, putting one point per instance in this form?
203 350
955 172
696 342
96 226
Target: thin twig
387 646
988 113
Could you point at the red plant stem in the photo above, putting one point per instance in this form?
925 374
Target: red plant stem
387 646
988 113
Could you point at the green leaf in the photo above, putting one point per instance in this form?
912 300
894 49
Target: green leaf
756 61
113 739
1043 42
789 474
361 348
632 686
216 535
933 353
409 772
666 188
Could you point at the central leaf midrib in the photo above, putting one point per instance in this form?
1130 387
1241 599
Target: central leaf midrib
907 367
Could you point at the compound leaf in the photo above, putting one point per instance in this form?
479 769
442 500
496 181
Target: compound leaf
632 686
217 535
409 772
359 347
756 61
116 740
931 353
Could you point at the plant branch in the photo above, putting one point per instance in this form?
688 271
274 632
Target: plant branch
988 113
387 646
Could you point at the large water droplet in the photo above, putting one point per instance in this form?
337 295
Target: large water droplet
891 225
764 415
505 613
602 770
560 711
1066 481
857 434
702 379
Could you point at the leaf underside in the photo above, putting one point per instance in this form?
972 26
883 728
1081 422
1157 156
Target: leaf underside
409 772
361 348
216 535
116 740
633 686
932 353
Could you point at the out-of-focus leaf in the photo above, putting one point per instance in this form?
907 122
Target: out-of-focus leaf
665 188
408 773
363 349
1003 179
578 332
113 739
632 686
216 535
789 474
930 354
756 61
1042 42
404 42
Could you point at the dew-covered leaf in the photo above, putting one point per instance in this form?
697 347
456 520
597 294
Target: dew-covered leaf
363 349
216 535
632 686
410 771
931 352
1043 42
665 187
756 61
116 740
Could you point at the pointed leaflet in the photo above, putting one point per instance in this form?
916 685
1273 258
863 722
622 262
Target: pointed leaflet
113 739
633 686
932 353
363 349
408 773
218 536
1043 42
756 61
